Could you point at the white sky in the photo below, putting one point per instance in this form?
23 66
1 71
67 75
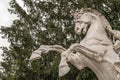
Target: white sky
5 20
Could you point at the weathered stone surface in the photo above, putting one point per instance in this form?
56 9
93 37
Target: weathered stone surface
97 50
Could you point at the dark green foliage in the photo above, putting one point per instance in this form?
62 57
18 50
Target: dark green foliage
47 22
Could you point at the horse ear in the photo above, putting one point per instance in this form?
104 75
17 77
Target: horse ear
73 12
76 12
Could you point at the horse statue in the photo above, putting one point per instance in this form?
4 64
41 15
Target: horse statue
97 51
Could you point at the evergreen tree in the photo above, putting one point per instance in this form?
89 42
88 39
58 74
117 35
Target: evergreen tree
47 22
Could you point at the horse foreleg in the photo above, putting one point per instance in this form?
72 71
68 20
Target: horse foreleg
45 49
75 59
63 66
78 60
87 52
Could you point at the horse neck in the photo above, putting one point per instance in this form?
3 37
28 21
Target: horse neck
96 31
96 28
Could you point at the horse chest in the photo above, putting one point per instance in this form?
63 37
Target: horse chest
88 41
104 70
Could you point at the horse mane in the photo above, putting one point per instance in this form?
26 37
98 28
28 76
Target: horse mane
78 13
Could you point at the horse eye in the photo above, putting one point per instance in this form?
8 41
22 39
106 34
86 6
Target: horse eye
77 28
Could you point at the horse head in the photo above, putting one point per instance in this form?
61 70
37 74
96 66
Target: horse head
82 24
84 18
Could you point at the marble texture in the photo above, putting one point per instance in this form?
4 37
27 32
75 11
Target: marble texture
97 51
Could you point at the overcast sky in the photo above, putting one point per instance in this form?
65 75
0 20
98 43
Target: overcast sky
5 20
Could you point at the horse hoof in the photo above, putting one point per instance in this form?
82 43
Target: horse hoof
34 57
63 69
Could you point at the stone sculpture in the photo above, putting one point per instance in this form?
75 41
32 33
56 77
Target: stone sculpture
99 50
